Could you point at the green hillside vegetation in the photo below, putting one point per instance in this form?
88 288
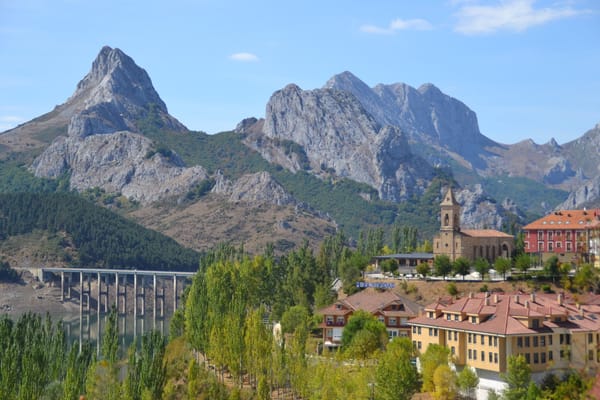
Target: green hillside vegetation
101 237
340 198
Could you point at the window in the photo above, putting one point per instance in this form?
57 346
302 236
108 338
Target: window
448 317
430 331
469 338
490 359
339 321
473 320
590 338
536 358
455 335
540 246
519 342
403 321
558 245
495 341
414 329
535 323
535 341
483 356
419 330
591 355
489 340
568 235
452 350
550 246
430 314
482 339
550 356
550 340
456 317
550 235
329 320
392 321
542 341
543 357
569 246
470 354
435 331
495 358
527 341
540 235
527 358
381 318
419 345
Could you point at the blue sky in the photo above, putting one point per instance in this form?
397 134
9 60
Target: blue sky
529 69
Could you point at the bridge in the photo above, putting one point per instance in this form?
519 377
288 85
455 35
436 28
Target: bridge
119 279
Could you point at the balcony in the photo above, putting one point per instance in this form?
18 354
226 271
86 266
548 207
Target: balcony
335 323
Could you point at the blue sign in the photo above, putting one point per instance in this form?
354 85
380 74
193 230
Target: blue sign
378 285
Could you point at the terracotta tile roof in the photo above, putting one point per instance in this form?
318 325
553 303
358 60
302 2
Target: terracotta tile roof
372 300
485 233
506 312
566 219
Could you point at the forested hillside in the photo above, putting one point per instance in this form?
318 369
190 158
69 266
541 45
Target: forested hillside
101 237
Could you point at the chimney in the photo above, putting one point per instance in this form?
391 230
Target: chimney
532 297
471 295
487 301
526 303
517 298
495 299
560 299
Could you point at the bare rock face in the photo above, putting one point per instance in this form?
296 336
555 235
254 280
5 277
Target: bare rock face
260 188
114 96
120 162
101 148
337 135
479 210
585 195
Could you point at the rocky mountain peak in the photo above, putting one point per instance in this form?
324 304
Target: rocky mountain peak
115 95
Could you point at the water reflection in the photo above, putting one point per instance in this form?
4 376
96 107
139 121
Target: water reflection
90 327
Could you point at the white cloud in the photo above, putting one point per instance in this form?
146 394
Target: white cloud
398 25
510 15
244 57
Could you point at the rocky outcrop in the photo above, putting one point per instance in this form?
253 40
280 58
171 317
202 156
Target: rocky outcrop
258 188
481 211
339 137
115 95
426 114
585 195
120 162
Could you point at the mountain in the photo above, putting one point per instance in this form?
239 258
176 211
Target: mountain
342 156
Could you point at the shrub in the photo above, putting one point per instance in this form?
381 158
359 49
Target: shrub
452 289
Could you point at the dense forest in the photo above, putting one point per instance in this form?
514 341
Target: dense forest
101 237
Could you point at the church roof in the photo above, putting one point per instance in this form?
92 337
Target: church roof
491 233
449 199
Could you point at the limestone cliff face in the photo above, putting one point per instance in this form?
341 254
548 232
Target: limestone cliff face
337 135
101 148
120 162
481 211
426 114
258 188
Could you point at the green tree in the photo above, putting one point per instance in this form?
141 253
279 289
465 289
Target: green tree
552 268
110 339
587 278
502 266
364 321
442 265
396 377
434 356
461 266
467 381
423 269
523 262
482 266
517 377
444 380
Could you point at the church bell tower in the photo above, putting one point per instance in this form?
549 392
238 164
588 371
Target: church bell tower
450 212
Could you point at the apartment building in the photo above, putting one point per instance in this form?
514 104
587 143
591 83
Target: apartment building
552 331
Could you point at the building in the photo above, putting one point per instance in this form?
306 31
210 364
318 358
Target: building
552 331
571 235
407 262
455 242
389 307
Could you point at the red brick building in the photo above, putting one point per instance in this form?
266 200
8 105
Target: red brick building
567 234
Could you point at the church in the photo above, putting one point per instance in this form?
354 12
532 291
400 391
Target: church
471 244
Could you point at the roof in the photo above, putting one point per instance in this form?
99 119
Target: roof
408 256
485 233
566 219
372 300
449 199
501 314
